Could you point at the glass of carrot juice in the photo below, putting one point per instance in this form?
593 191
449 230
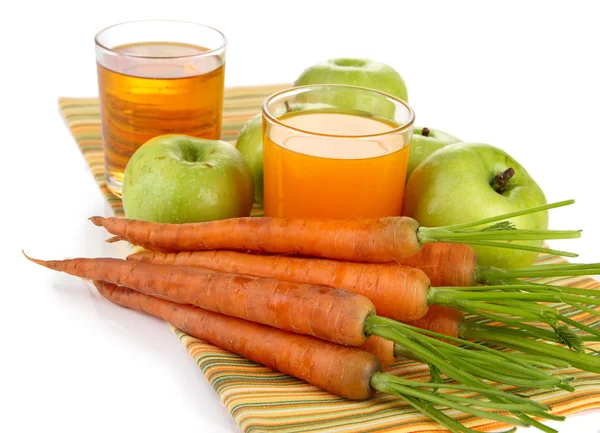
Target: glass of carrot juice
335 151
157 77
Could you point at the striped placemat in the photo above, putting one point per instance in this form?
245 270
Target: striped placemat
262 400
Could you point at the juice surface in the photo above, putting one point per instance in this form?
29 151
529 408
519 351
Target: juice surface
315 176
141 98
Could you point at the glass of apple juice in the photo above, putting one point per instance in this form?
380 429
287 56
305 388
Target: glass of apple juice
157 77
335 151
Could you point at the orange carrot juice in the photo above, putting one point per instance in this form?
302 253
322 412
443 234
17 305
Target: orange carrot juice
349 165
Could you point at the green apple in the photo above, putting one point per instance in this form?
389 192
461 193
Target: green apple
179 179
424 142
468 181
355 72
249 144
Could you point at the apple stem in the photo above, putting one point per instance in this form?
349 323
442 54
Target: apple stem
501 181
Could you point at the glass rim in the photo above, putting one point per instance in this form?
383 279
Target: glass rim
400 128
142 56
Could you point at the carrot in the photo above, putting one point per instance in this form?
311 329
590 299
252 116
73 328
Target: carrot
448 264
348 372
324 312
359 240
382 349
443 320
340 370
363 240
378 282
204 289
398 292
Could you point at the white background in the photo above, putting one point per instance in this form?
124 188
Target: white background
521 75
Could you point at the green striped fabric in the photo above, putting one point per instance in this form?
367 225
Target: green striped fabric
263 400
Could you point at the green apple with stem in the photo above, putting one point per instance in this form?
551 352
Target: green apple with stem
424 142
469 181
179 179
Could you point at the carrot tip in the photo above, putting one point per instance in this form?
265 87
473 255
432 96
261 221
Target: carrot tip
31 259
114 239
137 257
97 220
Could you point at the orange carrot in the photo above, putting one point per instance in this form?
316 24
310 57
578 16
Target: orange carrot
352 239
378 282
382 349
348 372
442 320
384 284
362 240
445 264
448 264
344 371
397 292
324 312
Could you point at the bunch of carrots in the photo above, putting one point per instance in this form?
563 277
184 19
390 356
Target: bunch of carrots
332 301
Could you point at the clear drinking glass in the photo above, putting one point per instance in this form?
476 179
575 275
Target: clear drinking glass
335 151
157 77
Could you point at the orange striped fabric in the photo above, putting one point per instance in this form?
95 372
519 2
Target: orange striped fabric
263 400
